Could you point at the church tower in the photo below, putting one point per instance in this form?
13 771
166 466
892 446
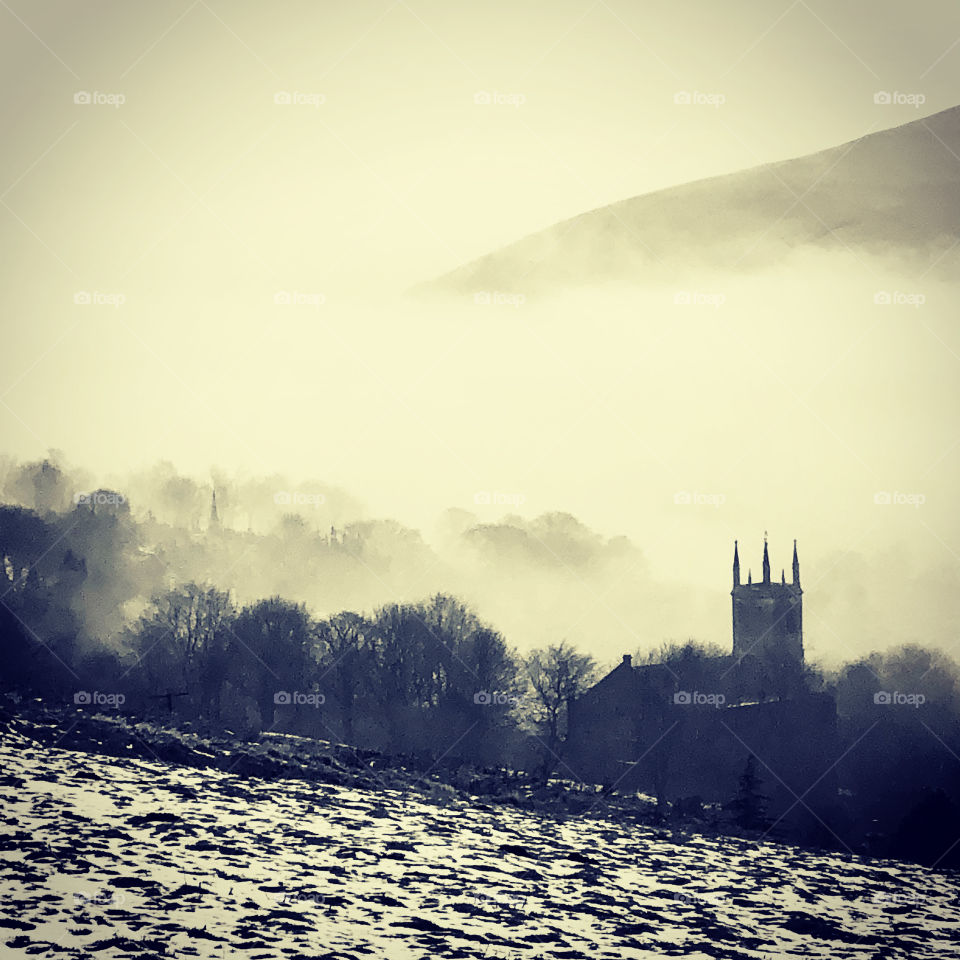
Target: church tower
767 616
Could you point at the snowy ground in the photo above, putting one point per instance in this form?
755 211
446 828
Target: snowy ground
106 857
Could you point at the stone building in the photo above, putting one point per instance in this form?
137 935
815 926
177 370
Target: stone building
685 727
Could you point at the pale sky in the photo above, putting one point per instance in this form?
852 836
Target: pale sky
398 174
148 167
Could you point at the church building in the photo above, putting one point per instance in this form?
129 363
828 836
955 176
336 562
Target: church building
685 726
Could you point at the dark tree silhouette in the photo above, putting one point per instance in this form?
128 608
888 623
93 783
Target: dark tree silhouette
557 675
749 806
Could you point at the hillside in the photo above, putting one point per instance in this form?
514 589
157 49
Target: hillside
126 857
896 192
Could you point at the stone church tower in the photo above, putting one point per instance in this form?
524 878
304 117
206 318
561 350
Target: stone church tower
767 616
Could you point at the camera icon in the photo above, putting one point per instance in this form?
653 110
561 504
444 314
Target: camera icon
882 298
281 697
882 97
883 698
81 697
682 97
482 498
882 498
482 98
283 98
282 298
482 697
82 97
83 298
282 498
682 697
681 497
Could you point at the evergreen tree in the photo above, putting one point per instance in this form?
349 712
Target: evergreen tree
749 806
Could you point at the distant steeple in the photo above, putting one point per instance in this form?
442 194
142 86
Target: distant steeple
214 516
783 576
766 561
749 577
796 566
736 565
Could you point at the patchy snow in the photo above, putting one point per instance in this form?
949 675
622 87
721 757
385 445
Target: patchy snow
108 857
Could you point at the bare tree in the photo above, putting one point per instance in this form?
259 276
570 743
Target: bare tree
344 639
183 641
557 675
272 651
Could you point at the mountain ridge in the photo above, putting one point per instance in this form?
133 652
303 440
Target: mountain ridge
890 190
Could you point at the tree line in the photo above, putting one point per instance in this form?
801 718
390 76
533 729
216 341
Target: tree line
425 678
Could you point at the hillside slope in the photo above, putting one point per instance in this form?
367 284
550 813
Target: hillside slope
112 857
896 191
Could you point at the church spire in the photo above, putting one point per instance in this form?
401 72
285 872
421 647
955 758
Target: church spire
736 565
766 561
796 566
214 516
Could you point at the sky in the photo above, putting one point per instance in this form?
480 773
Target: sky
388 171
210 210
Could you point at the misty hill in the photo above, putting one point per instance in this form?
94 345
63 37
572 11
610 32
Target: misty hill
891 192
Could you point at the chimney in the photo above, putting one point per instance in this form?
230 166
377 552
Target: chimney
627 660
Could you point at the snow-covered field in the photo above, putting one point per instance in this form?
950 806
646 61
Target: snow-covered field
105 857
